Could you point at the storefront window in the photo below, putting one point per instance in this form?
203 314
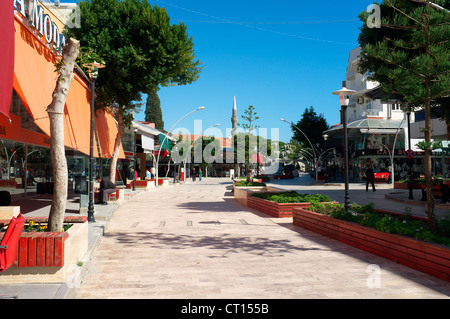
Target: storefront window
20 162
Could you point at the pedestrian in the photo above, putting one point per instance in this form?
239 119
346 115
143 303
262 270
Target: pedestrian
148 174
370 178
200 174
193 175
106 187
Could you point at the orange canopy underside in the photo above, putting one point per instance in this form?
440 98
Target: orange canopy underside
35 80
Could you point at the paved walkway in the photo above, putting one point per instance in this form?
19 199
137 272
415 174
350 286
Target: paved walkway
195 241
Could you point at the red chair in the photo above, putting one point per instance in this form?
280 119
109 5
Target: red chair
10 242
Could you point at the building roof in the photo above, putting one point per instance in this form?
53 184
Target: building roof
368 125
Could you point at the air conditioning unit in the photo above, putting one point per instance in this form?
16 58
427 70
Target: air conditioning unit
360 100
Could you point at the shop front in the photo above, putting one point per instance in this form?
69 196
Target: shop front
24 124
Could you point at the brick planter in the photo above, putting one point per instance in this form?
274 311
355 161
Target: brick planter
274 209
45 256
242 193
406 186
426 257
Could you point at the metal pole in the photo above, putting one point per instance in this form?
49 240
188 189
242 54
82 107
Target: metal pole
135 161
346 192
408 113
91 158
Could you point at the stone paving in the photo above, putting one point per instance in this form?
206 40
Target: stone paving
195 241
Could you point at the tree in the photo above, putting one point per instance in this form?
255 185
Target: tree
141 50
312 125
250 116
57 150
409 56
153 111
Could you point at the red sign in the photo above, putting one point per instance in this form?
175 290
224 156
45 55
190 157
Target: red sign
409 153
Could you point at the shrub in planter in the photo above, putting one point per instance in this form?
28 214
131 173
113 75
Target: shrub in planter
404 224
243 183
292 197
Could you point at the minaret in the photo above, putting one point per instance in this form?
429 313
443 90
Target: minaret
234 118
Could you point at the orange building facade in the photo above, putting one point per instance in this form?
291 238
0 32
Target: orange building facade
33 37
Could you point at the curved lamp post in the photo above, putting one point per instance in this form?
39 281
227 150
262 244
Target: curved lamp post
93 68
344 99
312 146
157 160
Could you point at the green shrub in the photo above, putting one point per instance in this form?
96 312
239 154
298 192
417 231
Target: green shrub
244 183
405 225
292 197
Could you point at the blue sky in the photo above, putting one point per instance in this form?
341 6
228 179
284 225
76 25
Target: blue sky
281 56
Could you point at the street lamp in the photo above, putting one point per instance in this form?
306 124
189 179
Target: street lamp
344 99
135 159
93 72
157 159
312 147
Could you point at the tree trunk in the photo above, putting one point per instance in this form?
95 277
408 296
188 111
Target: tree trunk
57 150
428 172
115 154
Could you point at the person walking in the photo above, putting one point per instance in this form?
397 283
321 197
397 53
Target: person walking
193 175
370 178
200 174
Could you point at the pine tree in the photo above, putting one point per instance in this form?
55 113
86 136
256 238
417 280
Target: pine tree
250 115
312 125
410 57
153 111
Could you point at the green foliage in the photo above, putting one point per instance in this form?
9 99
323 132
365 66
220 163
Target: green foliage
244 183
153 112
250 115
432 145
409 55
292 197
244 145
140 47
404 224
312 125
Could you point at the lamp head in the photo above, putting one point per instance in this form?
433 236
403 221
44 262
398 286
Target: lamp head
200 108
344 95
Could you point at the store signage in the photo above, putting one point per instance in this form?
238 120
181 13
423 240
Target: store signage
41 22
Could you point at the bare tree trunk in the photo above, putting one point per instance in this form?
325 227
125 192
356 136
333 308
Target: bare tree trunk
57 150
428 172
115 154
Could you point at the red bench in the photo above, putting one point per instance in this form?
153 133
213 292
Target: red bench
381 177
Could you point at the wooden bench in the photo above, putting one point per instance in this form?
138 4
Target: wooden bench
141 184
381 177
116 197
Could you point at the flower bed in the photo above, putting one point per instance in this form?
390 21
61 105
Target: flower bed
47 256
390 237
281 204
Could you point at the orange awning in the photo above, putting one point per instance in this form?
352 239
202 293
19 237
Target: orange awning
106 134
35 80
6 55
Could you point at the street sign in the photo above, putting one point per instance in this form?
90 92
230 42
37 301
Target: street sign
409 153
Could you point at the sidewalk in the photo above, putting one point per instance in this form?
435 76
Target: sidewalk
195 241
39 205
384 198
